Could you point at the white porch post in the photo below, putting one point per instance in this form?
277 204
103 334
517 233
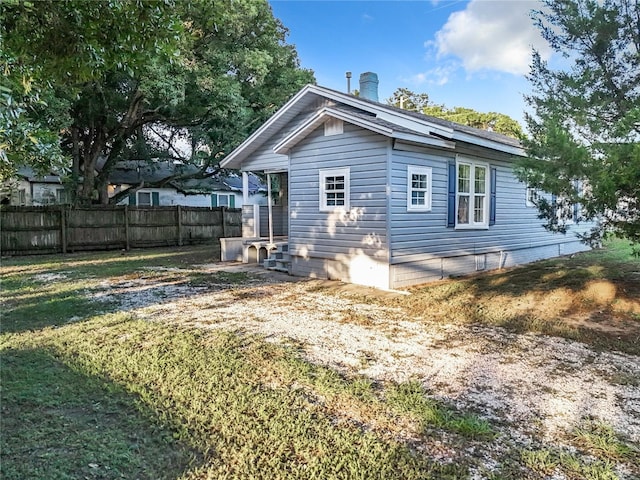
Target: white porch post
245 188
256 221
269 204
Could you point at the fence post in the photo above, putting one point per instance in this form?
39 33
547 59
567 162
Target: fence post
179 215
126 228
224 222
63 229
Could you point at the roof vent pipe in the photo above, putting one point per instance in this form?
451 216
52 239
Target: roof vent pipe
369 86
348 74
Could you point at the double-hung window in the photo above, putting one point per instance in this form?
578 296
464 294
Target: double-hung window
334 189
418 188
472 195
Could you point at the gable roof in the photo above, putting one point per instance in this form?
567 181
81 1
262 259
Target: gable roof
384 119
29 174
369 122
135 172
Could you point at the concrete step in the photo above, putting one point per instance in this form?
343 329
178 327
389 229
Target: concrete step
279 269
280 256
269 263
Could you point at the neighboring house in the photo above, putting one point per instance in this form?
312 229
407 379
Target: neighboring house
221 190
27 188
375 195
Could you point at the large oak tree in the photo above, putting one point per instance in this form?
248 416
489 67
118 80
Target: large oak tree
185 81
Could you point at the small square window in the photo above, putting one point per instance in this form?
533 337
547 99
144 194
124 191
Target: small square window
334 189
144 199
223 200
418 188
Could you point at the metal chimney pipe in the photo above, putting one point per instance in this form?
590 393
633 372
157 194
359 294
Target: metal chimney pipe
348 82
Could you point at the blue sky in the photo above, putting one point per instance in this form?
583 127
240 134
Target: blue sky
462 53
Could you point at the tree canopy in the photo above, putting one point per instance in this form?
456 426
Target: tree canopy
146 80
585 126
420 102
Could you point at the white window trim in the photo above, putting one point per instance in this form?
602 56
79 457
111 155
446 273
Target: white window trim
487 195
150 192
411 170
22 196
334 172
228 197
536 194
139 203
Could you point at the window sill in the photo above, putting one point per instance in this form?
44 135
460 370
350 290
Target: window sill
334 209
471 227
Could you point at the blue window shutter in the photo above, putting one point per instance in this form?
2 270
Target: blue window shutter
132 199
214 200
451 200
492 200
232 201
155 198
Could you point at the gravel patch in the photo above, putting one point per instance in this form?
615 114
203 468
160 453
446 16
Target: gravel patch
535 385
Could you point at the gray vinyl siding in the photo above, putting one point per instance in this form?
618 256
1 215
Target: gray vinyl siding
264 158
420 236
317 234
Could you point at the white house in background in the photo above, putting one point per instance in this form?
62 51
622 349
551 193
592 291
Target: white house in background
376 195
222 190
27 188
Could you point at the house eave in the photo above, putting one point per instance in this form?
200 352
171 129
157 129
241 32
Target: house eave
235 158
318 119
314 122
425 140
436 134
481 142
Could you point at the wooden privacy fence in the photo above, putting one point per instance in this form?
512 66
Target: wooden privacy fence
54 229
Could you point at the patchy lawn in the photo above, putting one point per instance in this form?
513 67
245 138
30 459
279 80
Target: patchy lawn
165 364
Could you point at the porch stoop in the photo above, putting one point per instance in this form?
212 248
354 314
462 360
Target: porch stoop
278 259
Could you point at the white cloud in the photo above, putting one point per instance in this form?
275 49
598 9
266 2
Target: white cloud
492 34
438 76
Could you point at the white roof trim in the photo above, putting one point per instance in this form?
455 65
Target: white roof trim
502 147
239 151
424 140
383 113
314 122
234 159
318 119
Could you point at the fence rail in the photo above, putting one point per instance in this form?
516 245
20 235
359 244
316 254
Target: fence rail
62 229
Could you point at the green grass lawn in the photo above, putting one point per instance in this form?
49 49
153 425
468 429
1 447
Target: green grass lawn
92 392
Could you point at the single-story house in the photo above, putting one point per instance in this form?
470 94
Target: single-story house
376 195
28 188
224 189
